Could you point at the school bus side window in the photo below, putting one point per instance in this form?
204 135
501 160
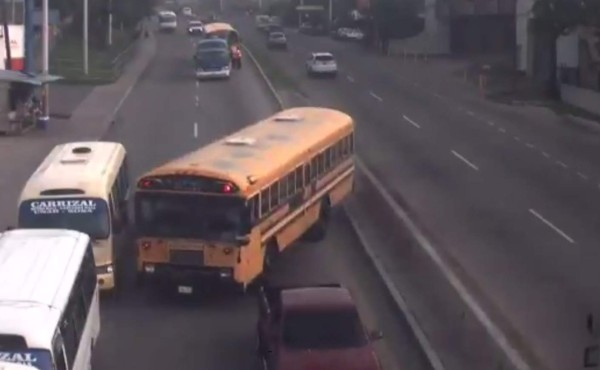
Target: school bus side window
255 208
314 168
345 146
274 195
282 189
321 164
307 177
291 183
327 159
264 202
299 178
351 143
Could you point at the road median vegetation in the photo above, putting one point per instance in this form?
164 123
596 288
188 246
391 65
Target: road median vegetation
105 65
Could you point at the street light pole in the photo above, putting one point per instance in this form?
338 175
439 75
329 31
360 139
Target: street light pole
110 22
85 36
45 65
330 12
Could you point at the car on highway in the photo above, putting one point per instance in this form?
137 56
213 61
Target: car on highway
277 40
313 327
187 11
167 21
195 27
321 63
262 21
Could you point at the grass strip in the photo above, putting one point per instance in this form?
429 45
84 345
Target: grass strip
280 80
103 67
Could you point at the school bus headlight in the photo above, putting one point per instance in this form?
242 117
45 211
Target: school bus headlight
106 269
227 251
149 269
225 274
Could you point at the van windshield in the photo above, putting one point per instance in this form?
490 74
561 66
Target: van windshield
40 359
87 215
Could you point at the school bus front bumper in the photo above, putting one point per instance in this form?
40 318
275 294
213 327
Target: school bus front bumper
157 272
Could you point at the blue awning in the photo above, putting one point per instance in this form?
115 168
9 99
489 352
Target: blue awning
31 79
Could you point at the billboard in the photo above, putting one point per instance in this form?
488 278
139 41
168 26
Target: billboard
17 45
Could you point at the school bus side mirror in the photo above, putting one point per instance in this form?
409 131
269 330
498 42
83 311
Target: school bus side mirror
242 240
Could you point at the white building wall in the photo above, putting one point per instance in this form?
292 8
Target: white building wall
567 50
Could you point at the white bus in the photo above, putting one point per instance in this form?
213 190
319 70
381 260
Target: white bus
49 299
82 186
167 21
15 366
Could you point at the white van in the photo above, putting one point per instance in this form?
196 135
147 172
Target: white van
49 300
82 186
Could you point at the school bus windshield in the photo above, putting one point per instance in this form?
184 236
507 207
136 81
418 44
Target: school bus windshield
190 216
87 215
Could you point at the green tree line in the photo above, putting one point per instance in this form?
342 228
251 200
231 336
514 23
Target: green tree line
126 14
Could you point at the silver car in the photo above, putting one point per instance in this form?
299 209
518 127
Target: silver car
321 64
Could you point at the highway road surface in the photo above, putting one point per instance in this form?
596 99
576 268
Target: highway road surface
166 115
510 194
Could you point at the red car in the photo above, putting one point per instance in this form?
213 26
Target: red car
313 328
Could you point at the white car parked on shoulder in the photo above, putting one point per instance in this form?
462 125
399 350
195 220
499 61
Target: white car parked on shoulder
321 64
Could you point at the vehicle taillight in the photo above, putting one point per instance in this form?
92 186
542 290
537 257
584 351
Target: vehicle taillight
146 245
227 251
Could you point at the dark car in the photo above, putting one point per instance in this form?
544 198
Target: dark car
313 327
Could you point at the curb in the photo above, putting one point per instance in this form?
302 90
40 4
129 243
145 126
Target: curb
110 118
430 353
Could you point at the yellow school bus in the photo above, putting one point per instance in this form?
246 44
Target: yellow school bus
83 186
224 212
222 30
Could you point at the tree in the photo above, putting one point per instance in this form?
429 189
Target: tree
553 18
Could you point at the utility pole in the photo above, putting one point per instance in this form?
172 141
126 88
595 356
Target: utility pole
110 22
43 120
30 51
85 36
8 62
330 12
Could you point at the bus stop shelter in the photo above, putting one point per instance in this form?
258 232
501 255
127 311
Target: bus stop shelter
21 100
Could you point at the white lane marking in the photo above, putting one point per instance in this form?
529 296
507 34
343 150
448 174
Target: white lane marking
546 154
375 96
582 175
438 95
517 138
502 130
465 160
491 123
195 129
350 78
530 146
562 164
513 355
470 113
552 226
411 121
197 84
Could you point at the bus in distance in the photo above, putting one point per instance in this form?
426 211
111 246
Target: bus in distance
224 212
82 186
49 300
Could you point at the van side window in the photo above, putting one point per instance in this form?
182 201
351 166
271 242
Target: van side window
59 353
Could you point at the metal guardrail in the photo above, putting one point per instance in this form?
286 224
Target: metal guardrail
108 71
